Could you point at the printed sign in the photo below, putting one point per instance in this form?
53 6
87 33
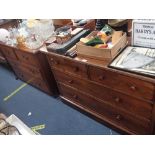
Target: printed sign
143 33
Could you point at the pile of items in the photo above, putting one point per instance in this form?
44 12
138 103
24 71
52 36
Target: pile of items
105 38
29 34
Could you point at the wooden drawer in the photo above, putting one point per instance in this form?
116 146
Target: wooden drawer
68 65
1 53
33 71
28 58
9 52
132 105
37 82
106 112
128 85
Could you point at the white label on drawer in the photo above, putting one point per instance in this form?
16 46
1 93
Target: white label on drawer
143 33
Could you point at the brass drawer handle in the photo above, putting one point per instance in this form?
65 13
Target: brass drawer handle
101 77
118 117
70 81
117 99
133 88
75 96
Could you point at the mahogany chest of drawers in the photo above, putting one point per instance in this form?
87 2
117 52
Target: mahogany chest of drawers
31 67
120 99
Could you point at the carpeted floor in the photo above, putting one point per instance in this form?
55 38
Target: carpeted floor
34 108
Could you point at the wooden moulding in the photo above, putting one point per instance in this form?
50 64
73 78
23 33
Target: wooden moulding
101 54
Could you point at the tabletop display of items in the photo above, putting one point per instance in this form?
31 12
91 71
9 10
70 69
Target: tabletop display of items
29 34
102 45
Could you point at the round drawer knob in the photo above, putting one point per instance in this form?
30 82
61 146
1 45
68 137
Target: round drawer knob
52 59
75 96
133 88
101 77
70 81
117 99
118 117
76 69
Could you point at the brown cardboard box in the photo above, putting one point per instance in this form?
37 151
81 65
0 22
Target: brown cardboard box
101 54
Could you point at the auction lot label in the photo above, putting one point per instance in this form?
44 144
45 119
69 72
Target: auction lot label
143 34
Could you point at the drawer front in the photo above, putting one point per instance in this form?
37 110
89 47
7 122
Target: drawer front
33 71
127 103
9 52
1 53
129 85
34 81
27 58
108 113
67 65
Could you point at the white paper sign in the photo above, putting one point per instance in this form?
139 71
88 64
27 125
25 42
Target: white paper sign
143 33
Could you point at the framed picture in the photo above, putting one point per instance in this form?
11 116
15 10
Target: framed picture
136 59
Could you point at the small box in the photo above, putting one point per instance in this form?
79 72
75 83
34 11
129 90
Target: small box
101 54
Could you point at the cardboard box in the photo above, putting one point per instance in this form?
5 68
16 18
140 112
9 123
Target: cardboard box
101 54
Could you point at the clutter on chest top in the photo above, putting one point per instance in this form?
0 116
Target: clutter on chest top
102 45
140 57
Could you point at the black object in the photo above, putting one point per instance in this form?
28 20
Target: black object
100 23
62 48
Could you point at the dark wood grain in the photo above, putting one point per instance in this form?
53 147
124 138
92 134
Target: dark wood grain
122 99
31 67
111 114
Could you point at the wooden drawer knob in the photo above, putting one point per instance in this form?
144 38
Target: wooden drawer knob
118 117
117 99
31 70
132 87
75 96
70 81
101 77
52 59
76 69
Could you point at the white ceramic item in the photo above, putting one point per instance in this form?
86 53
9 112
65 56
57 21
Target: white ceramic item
4 35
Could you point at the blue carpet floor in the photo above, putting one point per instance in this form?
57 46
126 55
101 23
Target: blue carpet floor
34 107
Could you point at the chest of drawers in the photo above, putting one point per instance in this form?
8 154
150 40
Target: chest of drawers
123 100
31 67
